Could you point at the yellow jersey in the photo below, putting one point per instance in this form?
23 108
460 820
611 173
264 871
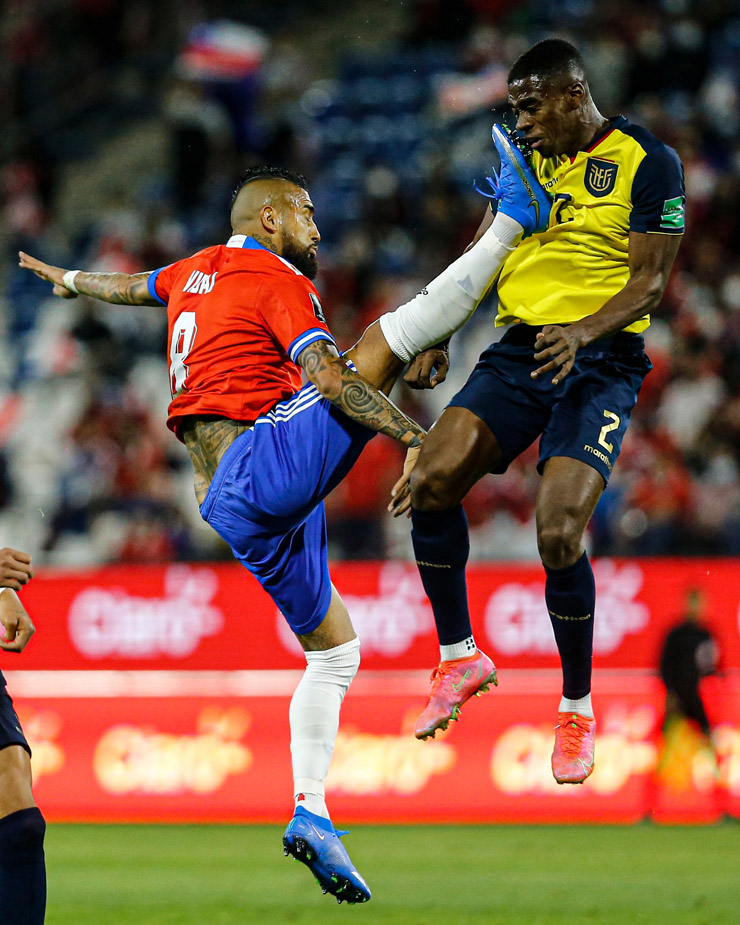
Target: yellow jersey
627 180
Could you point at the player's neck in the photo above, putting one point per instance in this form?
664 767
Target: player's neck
259 237
592 128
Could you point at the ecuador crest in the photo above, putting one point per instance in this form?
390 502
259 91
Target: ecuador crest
600 176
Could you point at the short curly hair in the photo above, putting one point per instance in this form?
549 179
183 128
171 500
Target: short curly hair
551 59
265 172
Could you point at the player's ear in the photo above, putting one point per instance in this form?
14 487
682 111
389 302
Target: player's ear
270 218
575 94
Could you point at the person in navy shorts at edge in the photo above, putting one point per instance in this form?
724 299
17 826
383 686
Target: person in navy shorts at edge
244 321
22 826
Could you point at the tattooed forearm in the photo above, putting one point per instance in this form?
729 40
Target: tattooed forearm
357 398
207 439
117 288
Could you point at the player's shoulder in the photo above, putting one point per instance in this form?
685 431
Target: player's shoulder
650 143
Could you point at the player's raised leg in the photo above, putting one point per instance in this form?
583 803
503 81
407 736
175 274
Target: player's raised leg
333 657
446 303
567 498
22 828
458 451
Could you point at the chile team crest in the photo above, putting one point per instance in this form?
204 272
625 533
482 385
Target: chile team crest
600 176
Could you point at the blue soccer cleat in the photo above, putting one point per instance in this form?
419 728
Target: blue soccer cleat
314 841
519 193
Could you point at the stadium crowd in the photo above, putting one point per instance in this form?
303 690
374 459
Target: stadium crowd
391 134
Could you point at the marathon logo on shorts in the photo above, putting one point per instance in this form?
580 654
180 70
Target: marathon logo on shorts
200 282
601 175
602 456
317 309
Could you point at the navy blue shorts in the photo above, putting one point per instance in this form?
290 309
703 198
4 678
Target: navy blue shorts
583 417
10 726
266 499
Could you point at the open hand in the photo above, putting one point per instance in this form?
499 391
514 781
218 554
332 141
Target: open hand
557 346
47 272
401 491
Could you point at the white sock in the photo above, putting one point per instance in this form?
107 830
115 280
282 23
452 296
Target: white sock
450 299
582 706
314 720
463 649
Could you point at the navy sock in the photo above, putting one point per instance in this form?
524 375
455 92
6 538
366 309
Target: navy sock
441 547
22 868
570 594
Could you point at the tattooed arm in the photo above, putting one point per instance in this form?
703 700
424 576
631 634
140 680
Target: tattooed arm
355 396
118 288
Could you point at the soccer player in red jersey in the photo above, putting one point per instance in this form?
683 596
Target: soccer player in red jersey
22 826
244 320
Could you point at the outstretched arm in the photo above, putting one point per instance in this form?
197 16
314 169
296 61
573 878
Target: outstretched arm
355 395
117 288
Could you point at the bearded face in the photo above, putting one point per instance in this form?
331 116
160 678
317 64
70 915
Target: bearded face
301 255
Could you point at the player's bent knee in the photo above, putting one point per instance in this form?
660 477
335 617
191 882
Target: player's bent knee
559 544
432 489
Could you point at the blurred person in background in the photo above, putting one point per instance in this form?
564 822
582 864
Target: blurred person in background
689 654
575 300
22 826
244 320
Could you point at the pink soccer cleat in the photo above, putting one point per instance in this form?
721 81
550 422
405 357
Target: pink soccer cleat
573 755
453 683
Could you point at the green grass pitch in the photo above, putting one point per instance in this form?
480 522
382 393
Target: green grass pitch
422 875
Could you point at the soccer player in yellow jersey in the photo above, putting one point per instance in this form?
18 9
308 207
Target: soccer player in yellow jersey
574 299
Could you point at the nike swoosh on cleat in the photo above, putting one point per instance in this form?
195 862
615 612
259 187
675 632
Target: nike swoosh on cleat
522 176
321 836
458 687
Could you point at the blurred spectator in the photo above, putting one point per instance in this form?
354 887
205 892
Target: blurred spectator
689 654
391 128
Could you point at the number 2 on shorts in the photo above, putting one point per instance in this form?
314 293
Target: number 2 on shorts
613 424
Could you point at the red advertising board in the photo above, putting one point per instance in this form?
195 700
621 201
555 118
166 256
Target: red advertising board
210 757
161 694
217 617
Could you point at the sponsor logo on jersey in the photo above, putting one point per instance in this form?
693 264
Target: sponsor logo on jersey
600 177
317 309
672 215
200 282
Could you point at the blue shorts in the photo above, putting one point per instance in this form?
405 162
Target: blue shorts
583 417
266 499
10 726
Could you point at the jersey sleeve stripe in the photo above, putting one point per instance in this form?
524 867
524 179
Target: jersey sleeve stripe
308 337
152 288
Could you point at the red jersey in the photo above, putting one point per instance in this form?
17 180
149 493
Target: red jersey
238 316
